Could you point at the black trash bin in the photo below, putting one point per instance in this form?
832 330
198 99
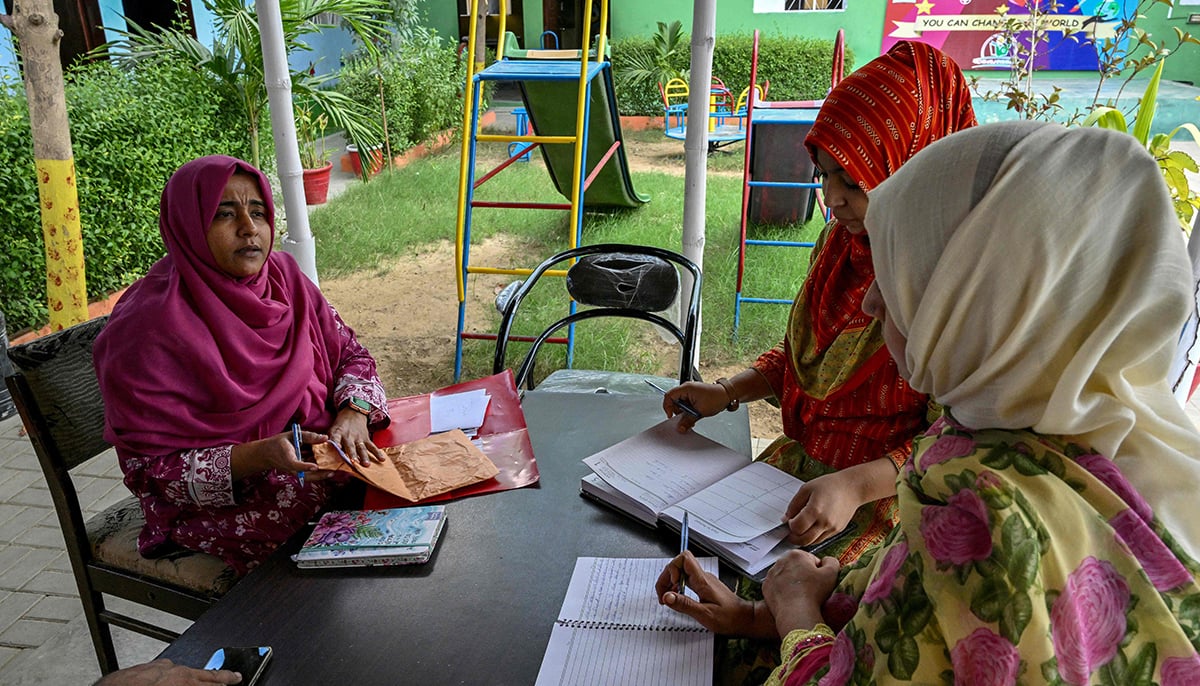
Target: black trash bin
7 407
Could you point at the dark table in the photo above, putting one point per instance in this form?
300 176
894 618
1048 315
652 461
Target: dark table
481 610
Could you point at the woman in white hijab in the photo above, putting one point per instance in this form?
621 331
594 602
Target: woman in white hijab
1032 279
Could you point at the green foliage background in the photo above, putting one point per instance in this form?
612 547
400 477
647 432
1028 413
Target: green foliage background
421 85
129 132
798 68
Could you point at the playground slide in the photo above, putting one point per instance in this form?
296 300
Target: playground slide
551 108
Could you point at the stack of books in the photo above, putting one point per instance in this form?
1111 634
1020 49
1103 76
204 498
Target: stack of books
360 538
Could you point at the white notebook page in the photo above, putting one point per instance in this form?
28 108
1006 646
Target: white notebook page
611 630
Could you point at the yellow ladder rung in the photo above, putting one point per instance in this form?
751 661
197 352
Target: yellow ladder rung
497 138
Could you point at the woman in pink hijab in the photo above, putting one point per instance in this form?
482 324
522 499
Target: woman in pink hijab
208 361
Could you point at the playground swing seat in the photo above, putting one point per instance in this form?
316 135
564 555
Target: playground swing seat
675 102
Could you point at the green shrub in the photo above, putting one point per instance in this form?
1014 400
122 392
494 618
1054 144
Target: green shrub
797 68
421 85
129 131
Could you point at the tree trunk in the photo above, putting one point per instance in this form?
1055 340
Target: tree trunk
36 27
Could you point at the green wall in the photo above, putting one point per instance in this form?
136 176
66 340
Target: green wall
862 21
442 15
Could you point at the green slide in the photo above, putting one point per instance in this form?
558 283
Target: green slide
551 108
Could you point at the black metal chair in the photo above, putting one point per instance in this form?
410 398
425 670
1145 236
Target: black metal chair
55 389
615 280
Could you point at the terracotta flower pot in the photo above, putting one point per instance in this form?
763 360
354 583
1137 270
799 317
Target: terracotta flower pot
316 184
375 153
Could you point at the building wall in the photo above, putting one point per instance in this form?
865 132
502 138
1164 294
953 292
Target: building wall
862 21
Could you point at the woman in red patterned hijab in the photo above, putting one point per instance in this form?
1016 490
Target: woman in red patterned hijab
848 417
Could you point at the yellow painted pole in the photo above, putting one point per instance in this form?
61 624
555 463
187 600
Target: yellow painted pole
464 158
36 27
66 286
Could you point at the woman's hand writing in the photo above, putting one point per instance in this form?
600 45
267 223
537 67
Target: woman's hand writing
719 609
350 432
796 587
277 452
707 398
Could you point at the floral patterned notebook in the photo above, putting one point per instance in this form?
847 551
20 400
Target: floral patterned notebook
373 537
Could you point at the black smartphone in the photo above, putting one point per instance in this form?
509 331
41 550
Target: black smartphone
248 661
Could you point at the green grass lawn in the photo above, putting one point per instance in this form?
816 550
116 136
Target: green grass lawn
375 222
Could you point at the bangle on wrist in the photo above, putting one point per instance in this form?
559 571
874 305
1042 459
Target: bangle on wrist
733 399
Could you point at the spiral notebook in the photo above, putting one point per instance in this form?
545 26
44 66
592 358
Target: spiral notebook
611 630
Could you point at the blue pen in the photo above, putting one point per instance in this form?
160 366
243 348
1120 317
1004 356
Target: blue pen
296 445
682 405
683 543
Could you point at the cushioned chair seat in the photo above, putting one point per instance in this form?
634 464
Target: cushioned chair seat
113 536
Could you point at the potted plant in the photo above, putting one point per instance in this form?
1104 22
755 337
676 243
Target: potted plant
310 135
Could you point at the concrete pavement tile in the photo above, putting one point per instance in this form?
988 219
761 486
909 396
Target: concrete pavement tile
10 554
33 495
23 570
11 426
7 512
56 608
19 454
18 524
30 633
68 659
7 654
52 583
15 482
62 563
99 465
97 491
43 537
13 607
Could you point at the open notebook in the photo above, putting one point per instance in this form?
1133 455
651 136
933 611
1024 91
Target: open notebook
735 505
612 630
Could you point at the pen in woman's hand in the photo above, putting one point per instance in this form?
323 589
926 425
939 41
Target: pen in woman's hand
682 405
683 544
296 445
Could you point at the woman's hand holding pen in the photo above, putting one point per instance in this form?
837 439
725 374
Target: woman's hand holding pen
718 609
277 452
350 432
707 398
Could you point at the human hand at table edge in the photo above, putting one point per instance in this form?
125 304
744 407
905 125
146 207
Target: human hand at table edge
276 452
796 587
166 673
349 431
718 609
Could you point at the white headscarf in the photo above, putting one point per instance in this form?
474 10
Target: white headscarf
1041 279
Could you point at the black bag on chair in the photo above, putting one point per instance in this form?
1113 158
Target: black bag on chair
640 282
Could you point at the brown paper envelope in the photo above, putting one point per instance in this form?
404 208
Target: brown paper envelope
440 463
381 475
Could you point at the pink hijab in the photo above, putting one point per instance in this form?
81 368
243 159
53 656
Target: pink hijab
192 357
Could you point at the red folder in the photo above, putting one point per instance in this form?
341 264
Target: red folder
503 438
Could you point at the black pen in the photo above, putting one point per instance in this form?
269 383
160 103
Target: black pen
683 543
682 405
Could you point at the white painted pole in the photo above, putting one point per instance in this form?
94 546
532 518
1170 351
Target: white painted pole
299 240
695 144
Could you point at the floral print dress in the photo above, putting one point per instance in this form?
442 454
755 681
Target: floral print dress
1019 559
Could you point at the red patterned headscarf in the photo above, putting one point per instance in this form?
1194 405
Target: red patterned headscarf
193 357
872 122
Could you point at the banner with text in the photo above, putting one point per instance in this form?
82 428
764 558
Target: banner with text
972 31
